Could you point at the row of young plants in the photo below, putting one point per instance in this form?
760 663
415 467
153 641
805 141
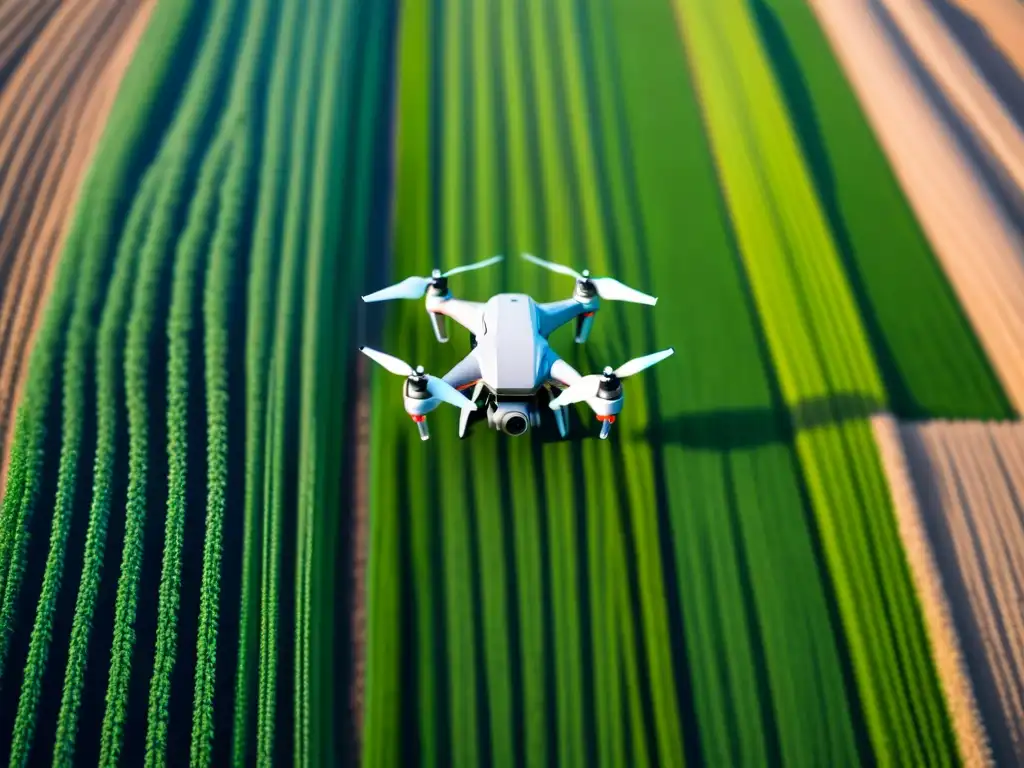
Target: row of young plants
829 379
540 596
928 355
231 257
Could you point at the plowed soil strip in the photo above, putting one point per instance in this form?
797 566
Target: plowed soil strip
1003 22
977 246
20 23
927 577
968 478
70 86
962 83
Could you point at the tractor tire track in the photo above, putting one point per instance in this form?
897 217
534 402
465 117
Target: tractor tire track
83 95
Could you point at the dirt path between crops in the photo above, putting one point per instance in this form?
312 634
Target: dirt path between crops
53 109
955 199
968 478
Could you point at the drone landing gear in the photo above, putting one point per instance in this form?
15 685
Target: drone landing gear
584 323
561 414
606 425
439 323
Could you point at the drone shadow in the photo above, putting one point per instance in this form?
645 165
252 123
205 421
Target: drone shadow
731 429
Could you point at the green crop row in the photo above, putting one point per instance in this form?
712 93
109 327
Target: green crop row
218 159
88 242
215 218
828 379
179 155
752 592
932 364
109 387
593 597
263 270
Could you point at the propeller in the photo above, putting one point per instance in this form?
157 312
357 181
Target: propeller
589 386
607 287
438 388
416 287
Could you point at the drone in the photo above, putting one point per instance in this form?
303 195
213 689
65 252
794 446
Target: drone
511 368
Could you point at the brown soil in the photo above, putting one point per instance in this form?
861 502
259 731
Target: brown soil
1003 22
961 82
360 544
927 576
973 237
53 109
969 480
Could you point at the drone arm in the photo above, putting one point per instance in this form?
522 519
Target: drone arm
563 374
468 314
465 373
555 314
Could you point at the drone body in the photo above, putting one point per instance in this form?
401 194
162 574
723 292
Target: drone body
511 365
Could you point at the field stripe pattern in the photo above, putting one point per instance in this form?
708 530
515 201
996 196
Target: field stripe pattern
580 545
136 384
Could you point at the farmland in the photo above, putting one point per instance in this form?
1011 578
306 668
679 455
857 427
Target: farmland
222 541
162 597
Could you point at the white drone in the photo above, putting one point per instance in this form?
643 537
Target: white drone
510 362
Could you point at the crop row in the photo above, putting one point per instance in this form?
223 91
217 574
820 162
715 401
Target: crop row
932 364
828 378
661 593
164 301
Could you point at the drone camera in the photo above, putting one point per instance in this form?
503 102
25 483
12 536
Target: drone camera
515 424
513 418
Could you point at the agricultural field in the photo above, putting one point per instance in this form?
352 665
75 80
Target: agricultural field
222 541
967 479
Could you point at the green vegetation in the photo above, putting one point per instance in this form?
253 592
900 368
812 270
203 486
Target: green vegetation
828 380
720 583
931 362
670 593
166 296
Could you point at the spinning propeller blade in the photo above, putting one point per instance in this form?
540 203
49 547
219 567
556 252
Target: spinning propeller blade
416 287
438 388
587 387
607 287
638 364
477 265
611 289
392 363
410 288
559 268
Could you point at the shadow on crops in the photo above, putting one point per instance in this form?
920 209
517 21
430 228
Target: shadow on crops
970 627
742 428
985 56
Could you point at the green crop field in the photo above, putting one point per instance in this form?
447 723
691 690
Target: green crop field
163 601
721 582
